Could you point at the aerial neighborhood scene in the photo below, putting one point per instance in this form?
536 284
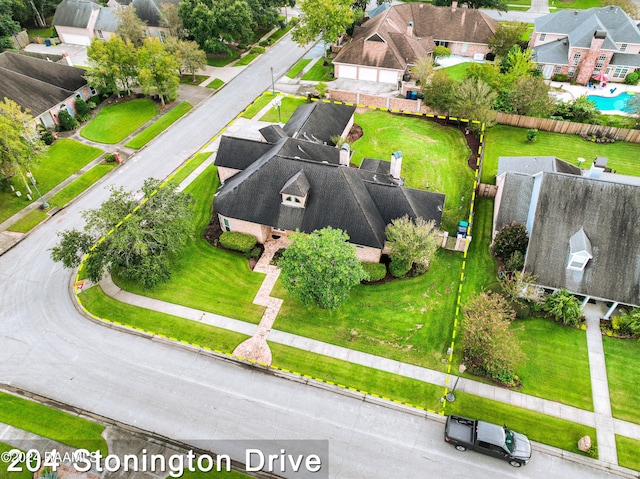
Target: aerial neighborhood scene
319 239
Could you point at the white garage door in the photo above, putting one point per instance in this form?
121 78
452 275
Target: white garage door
347 72
388 76
369 74
75 39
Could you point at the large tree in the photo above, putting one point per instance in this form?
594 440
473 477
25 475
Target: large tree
438 92
8 26
473 99
327 19
321 267
506 36
170 19
215 23
20 146
413 242
188 53
423 70
113 65
130 26
158 70
142 247
529 96
489 347
265 12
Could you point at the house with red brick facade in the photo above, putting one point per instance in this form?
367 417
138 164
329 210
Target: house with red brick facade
386 46
581 44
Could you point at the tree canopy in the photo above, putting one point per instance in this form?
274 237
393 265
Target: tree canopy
157 70
327 19
506 36
142 247
113 65
412 242
130 27
8 26
321 268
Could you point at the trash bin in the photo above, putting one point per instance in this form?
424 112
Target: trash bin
47 43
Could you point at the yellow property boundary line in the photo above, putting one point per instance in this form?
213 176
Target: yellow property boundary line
77 289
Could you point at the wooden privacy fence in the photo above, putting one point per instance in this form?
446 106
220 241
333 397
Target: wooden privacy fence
559 126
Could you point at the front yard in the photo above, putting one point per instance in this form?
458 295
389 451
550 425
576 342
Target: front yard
115 122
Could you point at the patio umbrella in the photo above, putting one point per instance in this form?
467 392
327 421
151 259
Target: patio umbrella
600 77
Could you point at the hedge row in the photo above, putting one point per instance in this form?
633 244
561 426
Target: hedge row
236 241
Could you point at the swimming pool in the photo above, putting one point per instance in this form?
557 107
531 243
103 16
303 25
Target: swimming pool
618 102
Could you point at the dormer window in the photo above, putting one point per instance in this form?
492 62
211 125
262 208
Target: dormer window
579 251
292 199
296 190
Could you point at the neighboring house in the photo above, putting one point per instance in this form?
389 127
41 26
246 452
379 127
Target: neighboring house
42 87
386 46
582 226
273 188
585 43
80 21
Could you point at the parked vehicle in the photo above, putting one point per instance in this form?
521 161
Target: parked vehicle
489 439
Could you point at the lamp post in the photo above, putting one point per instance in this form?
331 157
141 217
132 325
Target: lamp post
44 205
450 395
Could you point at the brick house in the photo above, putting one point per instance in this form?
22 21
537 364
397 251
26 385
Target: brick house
291 182
385 47
585 43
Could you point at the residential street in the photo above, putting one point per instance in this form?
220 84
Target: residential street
48 347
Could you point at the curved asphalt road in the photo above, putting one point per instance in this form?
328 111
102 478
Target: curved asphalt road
48 348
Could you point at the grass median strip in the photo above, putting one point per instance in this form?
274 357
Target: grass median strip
159 126
258 104
288 106
189 167
215 84
51 423
628 452
298 67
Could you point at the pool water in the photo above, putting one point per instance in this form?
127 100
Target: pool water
618 102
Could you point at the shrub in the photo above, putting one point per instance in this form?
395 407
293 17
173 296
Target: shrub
522 308
515 262
264 43
561 77
46 135
510 238
258 50
627 324
66 121
254 253
110 158
399 268
632 78
242 46
532 135
564 307
91 104
294 21
375 271
83 112
237 241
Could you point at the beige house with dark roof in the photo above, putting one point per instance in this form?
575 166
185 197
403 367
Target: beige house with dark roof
385 47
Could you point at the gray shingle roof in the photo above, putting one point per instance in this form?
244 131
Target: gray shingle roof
580 242
239 153
298 185
272 133
556 53
341 197
608 212
107 20
530 165
150 10
74 13
35 84
319 121
626 59
516 197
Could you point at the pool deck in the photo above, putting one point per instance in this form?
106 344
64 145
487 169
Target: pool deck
567 92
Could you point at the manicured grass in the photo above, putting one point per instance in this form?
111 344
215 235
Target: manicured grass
537 426
373 381
433 155
202 273
628 452
575 4
188 79
155 322
4 474
223 61
281 32
457 72
47 32
245 60
409 320
159 126
115 122
257 105
557 364
298 67
623 373
320 72
215 84
188 168
504 140
51 423
288 106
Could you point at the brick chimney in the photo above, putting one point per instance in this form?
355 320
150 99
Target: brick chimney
410 29
396 165
454 6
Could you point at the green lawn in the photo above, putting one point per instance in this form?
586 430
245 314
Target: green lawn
298 67
189 167
457 72
47 32
320 72
245 60
372 381
164 122
115 122
61 160
51 423
628 452
433 155
62 197
215 84
192 332
288 106
575 4
538 427
409 320
257 105
4 474
221 61
557 364
201 276
189 79
503 140
623 373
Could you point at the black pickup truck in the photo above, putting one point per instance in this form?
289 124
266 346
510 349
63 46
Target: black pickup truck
489 439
